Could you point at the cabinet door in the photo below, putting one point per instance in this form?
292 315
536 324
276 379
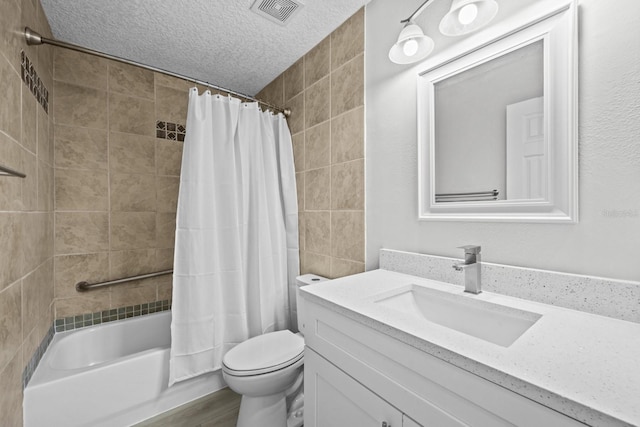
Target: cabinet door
334 399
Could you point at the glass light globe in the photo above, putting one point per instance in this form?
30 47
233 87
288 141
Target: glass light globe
410 47
468 14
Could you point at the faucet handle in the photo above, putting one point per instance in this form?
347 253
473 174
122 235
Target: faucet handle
471 249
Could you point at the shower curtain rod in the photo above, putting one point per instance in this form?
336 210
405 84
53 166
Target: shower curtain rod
33 38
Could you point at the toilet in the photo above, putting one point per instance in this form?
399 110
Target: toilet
267 370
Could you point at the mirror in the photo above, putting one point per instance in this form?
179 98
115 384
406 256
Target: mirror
497 129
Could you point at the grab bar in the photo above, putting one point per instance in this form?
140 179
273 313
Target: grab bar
5 171
86 286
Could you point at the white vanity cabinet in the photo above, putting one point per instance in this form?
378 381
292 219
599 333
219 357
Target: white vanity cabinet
358 376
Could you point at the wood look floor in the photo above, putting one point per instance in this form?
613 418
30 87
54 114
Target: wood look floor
219 409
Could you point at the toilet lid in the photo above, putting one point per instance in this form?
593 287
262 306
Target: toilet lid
264 353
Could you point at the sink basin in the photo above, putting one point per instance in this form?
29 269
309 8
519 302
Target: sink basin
491 322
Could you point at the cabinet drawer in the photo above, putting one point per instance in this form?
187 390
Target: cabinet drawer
427 389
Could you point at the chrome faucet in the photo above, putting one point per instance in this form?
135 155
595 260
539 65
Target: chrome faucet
471 267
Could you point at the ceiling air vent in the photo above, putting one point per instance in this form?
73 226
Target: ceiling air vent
278 11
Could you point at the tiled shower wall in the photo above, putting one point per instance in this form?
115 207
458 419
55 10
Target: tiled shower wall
26 205
325 91
116 184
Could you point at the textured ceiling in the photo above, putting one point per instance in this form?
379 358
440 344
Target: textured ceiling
217 41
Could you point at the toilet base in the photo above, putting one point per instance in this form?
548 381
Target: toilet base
263 411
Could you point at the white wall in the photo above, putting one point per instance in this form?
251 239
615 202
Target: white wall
606 240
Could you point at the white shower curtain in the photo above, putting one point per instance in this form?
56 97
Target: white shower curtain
236 251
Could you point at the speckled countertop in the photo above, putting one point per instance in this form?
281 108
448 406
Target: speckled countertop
583 365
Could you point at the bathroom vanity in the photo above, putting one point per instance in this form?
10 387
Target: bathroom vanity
386 348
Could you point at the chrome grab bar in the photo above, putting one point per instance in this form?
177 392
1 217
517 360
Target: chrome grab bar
5 171
86 286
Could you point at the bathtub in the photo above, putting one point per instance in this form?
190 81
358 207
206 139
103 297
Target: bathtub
114 374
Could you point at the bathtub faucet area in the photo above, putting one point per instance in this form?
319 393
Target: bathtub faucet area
472 269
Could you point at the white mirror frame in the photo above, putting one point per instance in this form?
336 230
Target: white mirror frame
558 30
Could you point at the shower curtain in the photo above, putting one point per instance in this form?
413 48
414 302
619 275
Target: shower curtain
236 248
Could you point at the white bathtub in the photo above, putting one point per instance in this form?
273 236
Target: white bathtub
114 374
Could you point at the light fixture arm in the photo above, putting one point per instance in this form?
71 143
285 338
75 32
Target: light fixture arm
416 13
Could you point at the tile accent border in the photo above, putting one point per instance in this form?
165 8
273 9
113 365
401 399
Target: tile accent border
28 371
619 299
85 320
104 316
170 131
31 79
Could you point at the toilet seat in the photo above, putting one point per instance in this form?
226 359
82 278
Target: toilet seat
263 354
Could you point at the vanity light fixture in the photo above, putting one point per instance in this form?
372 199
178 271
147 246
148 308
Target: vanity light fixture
464 17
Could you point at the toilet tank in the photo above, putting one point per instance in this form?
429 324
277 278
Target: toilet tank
304 280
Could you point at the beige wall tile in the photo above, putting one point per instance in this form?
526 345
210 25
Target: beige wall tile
317 62
81 190
349 225
45 187
174 82
168 157
79 68
29 121
164 287
37 243
10 88
132 192
133 230
318 232
317 146
317 190
273 92
79 106
294 79
30 183
11 27
317 103
347 86
348 40
130 80
171 104
10 189
138 292
130 153
11 396
37 294
132 263
164 259
165 230
347 136
298 151
167 192
301 231
300 190
29 18
71 269
87 302
316 264
296 120
80 148
45 147
10 323
347 185
131 115
81 232
341 268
